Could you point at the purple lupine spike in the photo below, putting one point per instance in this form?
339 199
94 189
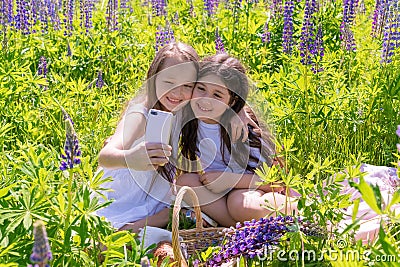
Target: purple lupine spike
276 8
211 6
266 34
287 36
42 69
349 14
159 7
111 15
22 17
6 12
88 9
391 31
398 131
72 151
69 52
100 82
377 20
164 35
219 45
306 45
69 10
41 252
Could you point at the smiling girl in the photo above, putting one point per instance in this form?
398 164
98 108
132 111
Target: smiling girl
226 183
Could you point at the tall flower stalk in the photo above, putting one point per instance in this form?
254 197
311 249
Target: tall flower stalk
287 36
41 253
71 157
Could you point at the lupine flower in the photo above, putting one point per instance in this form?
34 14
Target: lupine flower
164 35
219 45
41 252
287 36
22 17
211 6
307 45
69 52
111 15
255 238
377 21
6 12
100 82
398 130
144 262
266 35
349 14
159 7
88 14
42 69
175 20
276 8
391 30
72 151
191 9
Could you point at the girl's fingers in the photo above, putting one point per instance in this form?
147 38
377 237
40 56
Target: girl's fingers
158 153
156 146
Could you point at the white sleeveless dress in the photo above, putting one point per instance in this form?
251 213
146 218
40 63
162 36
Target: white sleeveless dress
135 194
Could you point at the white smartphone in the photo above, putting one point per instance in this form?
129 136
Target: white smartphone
158 127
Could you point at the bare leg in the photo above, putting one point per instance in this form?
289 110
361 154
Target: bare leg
159 219
214 205
244 204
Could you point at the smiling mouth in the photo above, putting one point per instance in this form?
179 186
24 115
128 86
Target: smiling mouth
203 109
173 100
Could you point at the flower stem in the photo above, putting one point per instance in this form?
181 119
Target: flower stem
69 201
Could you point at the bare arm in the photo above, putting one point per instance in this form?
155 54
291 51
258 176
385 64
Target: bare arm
144 156
221 181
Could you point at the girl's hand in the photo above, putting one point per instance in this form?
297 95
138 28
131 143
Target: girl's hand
148 156
217 182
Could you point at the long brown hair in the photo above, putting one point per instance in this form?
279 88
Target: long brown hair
232 73
179 51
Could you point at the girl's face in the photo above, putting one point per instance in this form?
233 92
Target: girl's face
174 83
210 99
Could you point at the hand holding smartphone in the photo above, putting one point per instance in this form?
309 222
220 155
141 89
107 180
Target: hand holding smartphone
158 127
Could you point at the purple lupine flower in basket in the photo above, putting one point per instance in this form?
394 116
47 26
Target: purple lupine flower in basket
72 151
41 252
256 238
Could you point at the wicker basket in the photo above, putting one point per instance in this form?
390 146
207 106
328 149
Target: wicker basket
194 239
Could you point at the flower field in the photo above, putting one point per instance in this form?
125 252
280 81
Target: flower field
327 79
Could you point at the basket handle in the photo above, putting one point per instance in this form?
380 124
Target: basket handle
175 221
